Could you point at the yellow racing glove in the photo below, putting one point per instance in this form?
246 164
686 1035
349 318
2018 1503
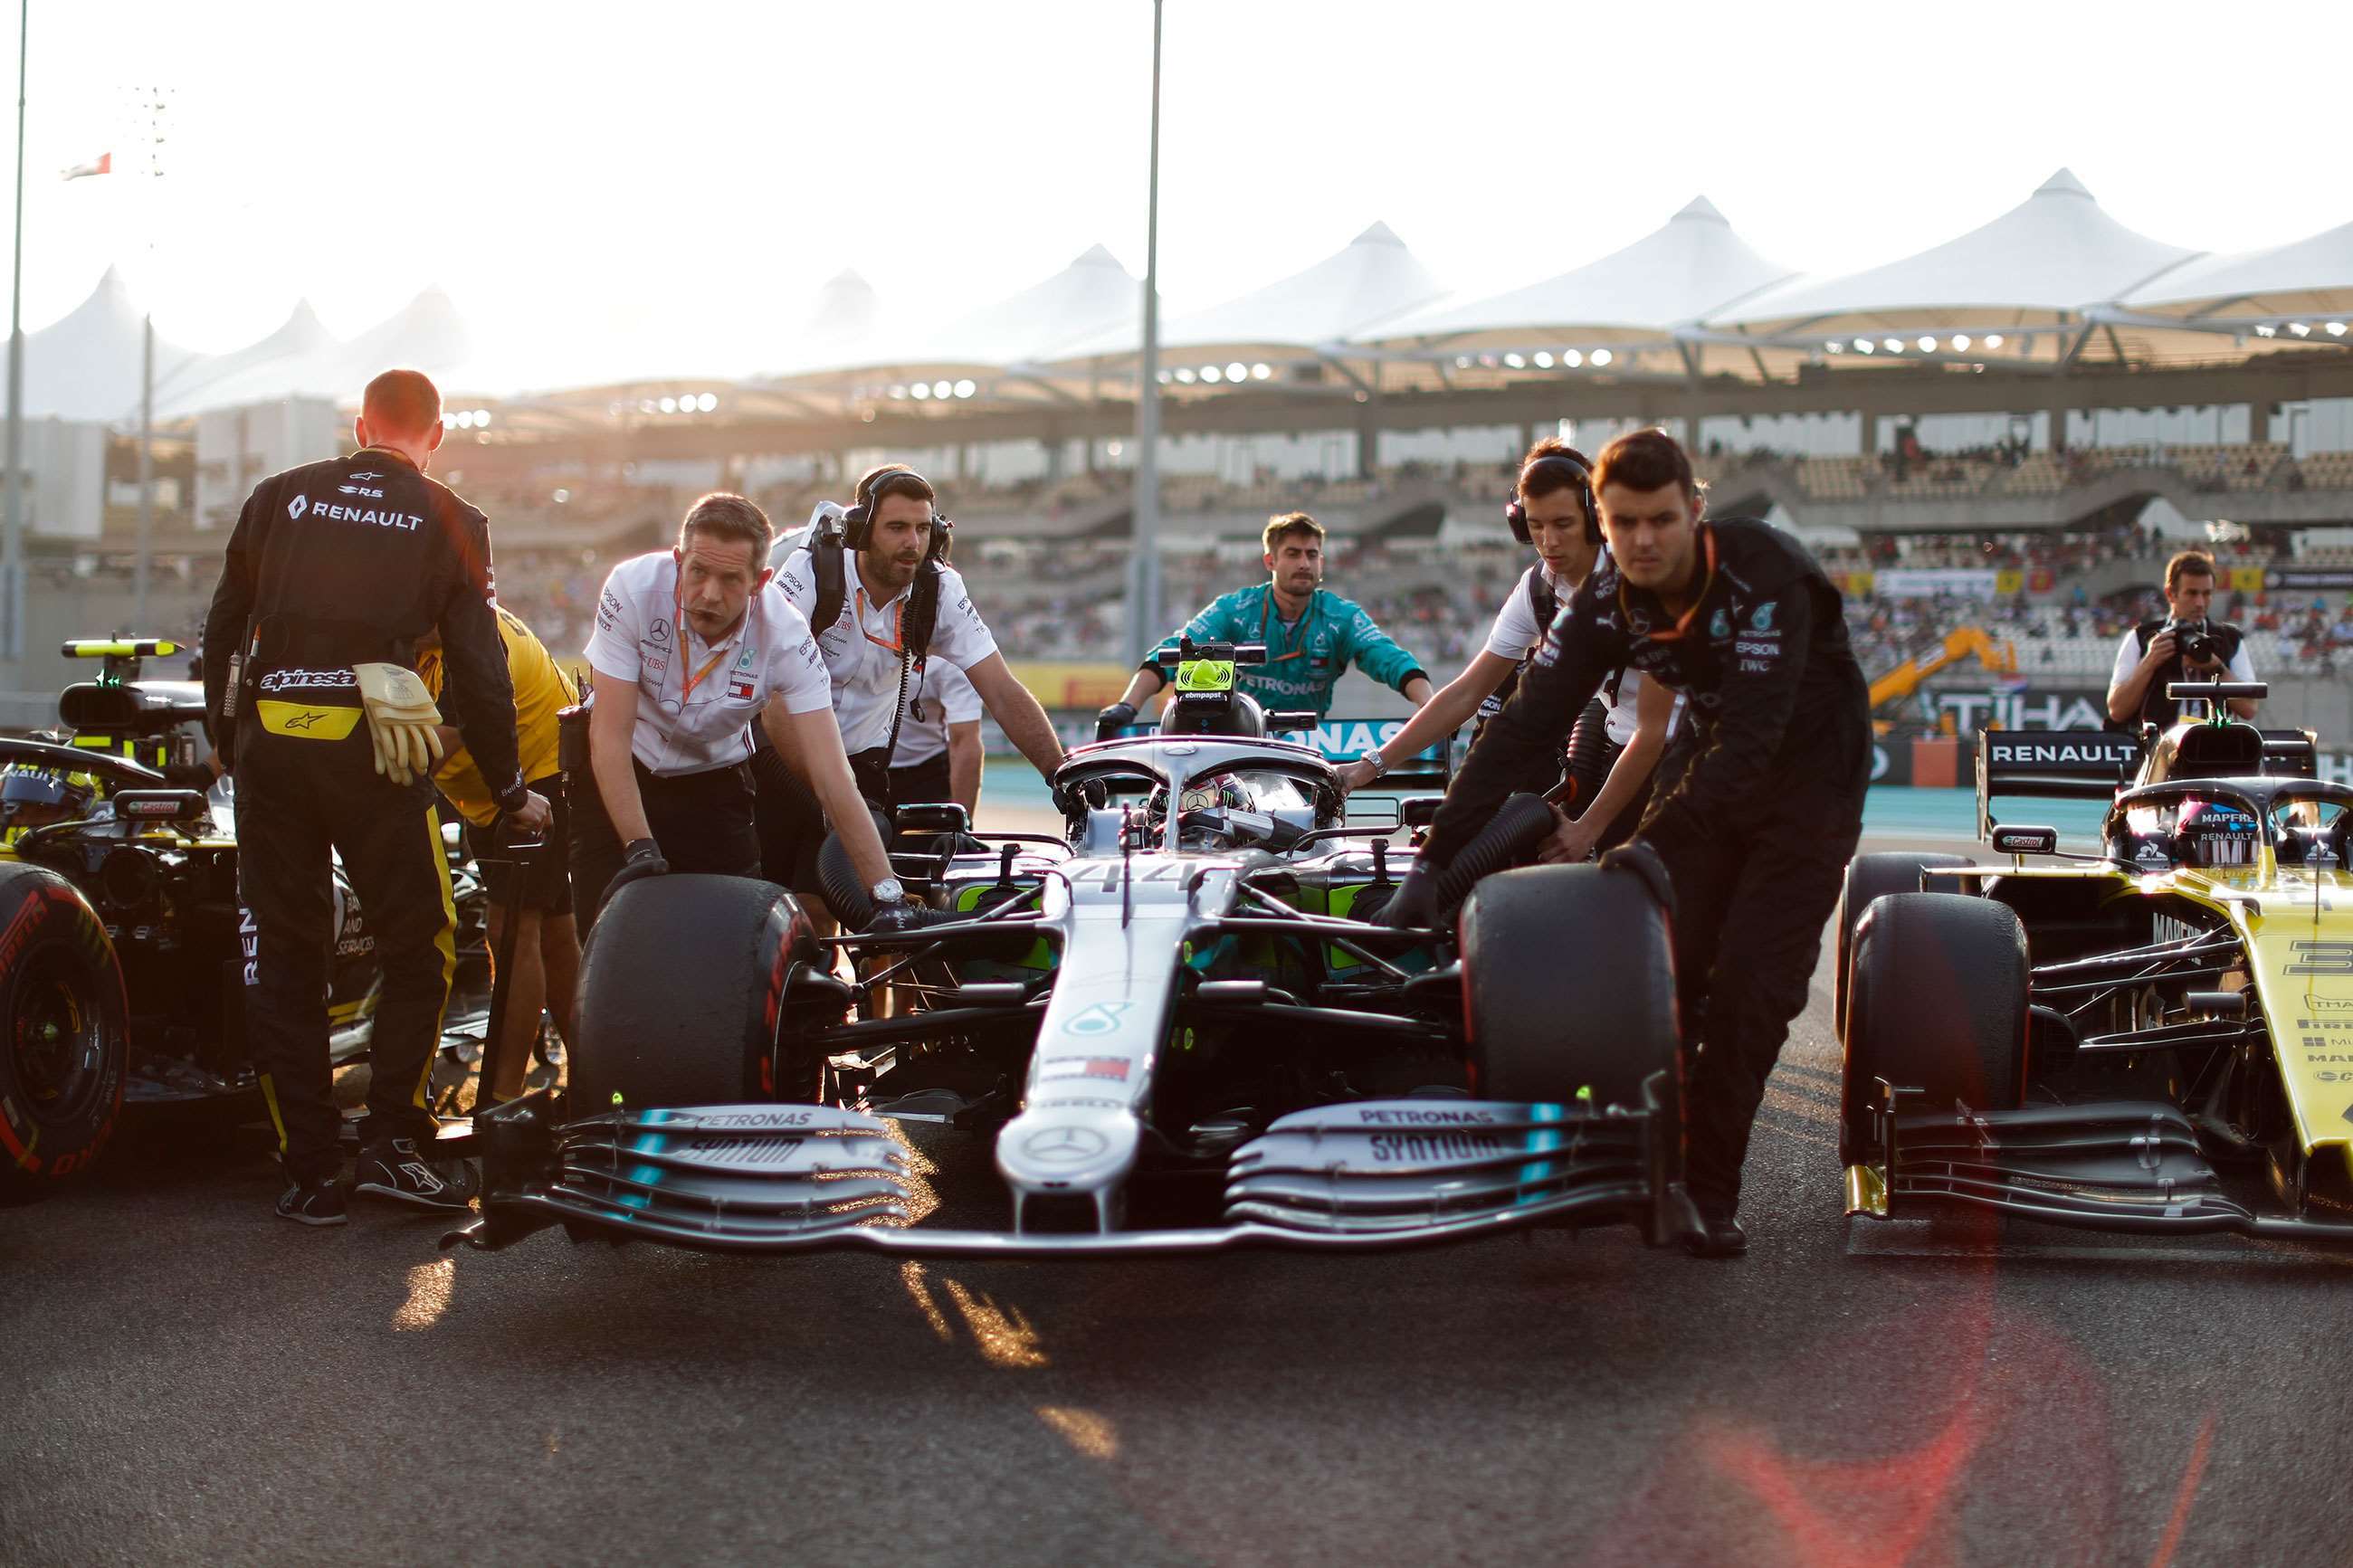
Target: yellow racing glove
400 719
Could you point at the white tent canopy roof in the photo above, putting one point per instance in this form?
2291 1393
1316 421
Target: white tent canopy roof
2055 253
1372 280
426 334
2310 276
1092 297
1686 270
86 364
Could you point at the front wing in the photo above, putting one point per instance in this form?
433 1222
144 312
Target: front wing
798 1178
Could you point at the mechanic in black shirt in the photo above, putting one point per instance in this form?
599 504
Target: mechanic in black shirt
335 570
1765 802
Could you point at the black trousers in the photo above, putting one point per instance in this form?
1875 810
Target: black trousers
1750 906
791 823
703 823
923 784
298 800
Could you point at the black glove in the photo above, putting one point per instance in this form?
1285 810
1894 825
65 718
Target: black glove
1640 859
1414 906
643 858
894 918
1114 719
189 775
1075 799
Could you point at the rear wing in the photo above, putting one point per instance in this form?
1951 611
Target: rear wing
2054 765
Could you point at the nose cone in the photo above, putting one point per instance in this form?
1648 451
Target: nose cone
1064 1148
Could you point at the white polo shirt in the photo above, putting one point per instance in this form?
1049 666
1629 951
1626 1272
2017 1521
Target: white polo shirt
1517 632
861 650
943 695
640 636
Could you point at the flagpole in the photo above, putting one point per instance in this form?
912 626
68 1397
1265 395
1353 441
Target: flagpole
12 530
1144 626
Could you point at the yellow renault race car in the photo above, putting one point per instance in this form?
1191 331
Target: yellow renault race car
2153 1036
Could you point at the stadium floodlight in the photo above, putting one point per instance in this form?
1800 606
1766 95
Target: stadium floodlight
708 401
1601 356
1572 359
1893 345
668 406
461 419
1487 362
921 392
1185 374
1960 342
1833 347
1516 362
1237 371
561 497
482 418
1261 371
1544 359
966 387
1928 345
2299 329
2264 330
1865 346
1993 339
1165 377
2335 328
1463 361
1212 375
941 389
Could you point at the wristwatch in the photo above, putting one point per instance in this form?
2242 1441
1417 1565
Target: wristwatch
887 892
1380 763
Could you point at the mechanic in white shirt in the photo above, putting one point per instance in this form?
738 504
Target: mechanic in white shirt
1552 509
939 744
904 609
692 646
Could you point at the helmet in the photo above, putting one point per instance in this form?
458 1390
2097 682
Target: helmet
2214 834
37 796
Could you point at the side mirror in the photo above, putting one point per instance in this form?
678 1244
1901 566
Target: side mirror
940 816
1421 811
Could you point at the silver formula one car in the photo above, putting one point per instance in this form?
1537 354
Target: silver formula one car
1184 996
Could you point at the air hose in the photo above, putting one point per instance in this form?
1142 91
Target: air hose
1509 839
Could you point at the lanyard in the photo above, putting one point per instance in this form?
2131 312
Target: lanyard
678 619
1684 621
1266 610
898 643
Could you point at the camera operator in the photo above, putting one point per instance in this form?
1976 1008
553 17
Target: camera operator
692 645
2184 646
891 604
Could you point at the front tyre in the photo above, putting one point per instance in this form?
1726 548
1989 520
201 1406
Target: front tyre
1869 876
1569 986
67 1050
683 997
1936 1002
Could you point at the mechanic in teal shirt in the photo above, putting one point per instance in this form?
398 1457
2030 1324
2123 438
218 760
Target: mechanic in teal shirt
1312 636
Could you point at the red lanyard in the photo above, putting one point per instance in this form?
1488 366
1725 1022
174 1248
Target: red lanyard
1683 622
678 619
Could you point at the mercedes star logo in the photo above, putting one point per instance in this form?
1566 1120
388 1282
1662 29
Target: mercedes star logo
1064 1145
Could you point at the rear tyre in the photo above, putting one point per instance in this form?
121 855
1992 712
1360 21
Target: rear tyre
66 1050
1570 986
682 998
1938 1003
1869 877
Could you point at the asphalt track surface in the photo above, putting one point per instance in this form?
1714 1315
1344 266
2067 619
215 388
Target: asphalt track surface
184 1378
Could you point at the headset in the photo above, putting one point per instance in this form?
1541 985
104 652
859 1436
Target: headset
858 522
1569 463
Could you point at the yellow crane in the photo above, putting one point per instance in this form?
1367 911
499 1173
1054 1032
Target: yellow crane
1999 657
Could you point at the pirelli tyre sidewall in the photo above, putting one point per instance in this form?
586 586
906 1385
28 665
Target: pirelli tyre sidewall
1936 1002
1568 986
1869 876
682 998
65 1053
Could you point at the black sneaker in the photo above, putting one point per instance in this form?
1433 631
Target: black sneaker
316 1202
1720 1235
394 1168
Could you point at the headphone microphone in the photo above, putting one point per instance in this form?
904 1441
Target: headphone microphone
1515 512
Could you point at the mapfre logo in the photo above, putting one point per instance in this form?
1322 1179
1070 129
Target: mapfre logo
297 507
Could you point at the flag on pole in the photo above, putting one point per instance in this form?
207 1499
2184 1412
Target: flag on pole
102 165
